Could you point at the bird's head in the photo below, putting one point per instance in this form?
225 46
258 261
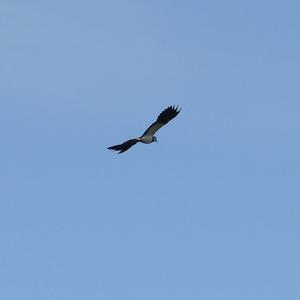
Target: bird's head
154 139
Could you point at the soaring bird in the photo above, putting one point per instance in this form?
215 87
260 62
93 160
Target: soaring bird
148 136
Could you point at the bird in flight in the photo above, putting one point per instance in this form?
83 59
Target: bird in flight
148 136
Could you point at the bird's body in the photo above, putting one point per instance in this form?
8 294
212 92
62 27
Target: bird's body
148 136
146 139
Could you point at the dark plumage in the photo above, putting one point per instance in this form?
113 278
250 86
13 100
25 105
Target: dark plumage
125 146
148 136
164 117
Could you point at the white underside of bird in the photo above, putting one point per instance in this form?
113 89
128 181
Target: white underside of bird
146 139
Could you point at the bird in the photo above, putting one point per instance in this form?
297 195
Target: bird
148 136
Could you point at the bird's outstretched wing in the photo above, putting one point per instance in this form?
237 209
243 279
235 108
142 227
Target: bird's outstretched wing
165 116
125 146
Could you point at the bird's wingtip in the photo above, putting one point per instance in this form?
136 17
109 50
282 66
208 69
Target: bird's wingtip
176 107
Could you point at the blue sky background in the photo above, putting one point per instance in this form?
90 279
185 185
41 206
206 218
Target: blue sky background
211 211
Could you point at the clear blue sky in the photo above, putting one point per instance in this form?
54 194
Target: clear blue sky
210 212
